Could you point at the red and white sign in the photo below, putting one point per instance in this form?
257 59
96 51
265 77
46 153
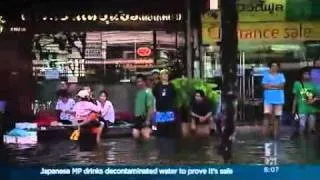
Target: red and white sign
144 51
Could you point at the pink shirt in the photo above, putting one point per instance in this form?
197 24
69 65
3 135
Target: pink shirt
84 108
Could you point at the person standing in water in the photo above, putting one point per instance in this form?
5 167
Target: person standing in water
304 96
165 94
273 84
155 76
143 109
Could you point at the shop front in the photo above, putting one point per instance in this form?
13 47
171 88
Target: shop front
264 34
102 49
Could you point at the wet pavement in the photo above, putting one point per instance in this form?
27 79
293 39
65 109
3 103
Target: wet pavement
248 148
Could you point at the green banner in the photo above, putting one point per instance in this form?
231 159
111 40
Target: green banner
301 10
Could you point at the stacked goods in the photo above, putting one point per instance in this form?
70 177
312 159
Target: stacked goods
23 133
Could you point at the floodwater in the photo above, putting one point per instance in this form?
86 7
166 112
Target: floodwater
248 148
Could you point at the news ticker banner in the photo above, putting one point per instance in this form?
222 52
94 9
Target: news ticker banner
240 172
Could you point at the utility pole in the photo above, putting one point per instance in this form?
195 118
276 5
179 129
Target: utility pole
229 48
188 39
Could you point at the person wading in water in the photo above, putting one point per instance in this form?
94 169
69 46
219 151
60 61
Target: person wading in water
165 94
143 109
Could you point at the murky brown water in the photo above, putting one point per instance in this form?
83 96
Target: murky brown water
247 148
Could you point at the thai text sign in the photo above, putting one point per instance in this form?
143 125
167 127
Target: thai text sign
253 11
261 10
110 18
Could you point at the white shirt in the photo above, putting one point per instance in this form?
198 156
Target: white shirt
63 107
107 111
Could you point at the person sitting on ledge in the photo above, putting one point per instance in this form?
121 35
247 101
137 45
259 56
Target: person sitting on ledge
64 107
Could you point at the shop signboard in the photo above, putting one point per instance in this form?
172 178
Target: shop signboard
310 31
261 10
267 31
108 18
144 51
210 33
254 11
93 50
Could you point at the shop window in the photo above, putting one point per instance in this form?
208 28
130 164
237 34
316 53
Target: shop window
110 56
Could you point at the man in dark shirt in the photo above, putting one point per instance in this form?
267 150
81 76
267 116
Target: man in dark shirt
201 113
164 94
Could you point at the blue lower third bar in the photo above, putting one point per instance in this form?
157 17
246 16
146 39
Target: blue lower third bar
239 172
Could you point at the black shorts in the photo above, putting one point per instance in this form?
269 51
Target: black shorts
167 129
65 121
139 123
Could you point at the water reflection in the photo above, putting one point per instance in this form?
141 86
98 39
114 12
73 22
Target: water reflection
247 148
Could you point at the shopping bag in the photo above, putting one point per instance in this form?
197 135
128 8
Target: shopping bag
75 135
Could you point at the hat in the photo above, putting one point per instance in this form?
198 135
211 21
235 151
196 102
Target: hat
83 94
155 71
164 71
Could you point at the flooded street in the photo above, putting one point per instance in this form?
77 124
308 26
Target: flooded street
247 148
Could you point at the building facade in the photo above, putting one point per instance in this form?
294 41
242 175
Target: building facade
267 30
96 43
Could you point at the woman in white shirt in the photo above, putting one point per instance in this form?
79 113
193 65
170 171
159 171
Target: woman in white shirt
107 110
64 107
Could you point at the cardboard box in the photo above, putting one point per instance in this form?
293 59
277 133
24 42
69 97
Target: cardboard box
26 125
20 140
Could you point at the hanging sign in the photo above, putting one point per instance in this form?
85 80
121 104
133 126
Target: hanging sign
143 51
93 50
51 74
